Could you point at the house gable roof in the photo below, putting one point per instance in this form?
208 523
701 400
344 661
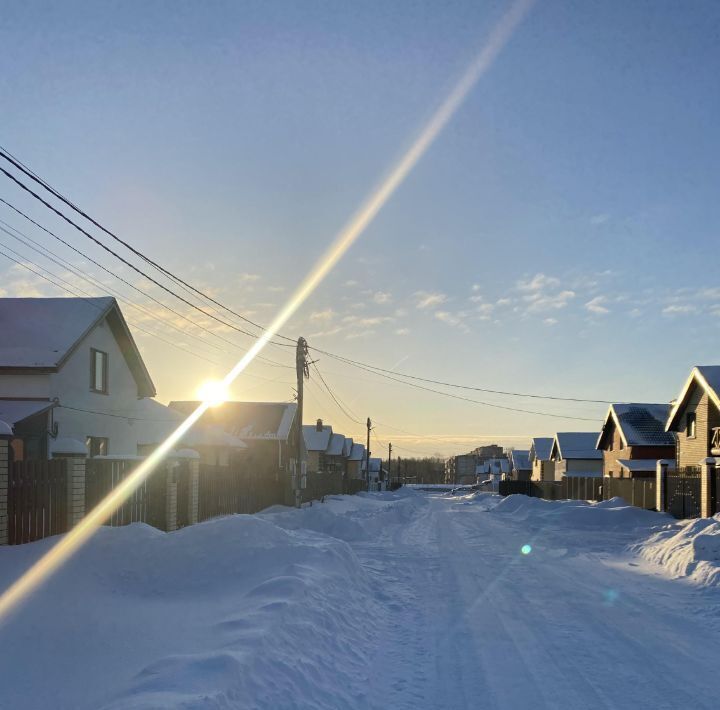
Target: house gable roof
317 440
576 445
706 377
40 334
542 445
250 421
357 452
520 460
336 445
639 424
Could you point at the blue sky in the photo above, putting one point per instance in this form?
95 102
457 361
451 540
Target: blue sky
558 238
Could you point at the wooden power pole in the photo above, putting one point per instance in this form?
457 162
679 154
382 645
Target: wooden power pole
389 469
303 371
367 454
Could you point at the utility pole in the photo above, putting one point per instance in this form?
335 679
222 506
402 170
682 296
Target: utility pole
302 370
398 471
389 459
367 454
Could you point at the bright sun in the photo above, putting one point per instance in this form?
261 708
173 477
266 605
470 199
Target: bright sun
214 392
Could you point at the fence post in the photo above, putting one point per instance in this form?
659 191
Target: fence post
661 469
75 453
194 513
707 470
5 434
170 498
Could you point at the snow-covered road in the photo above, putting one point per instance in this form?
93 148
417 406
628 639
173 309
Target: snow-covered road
383 601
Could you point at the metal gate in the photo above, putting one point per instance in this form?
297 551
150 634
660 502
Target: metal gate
682 493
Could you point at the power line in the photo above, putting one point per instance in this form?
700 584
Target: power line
127 263
131 285
59 261
355 363
473 401
33 176
87 300
335 399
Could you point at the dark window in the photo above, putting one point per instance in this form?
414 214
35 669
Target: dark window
690 425
98 371
96 445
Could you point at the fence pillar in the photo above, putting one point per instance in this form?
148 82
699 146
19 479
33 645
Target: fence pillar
170 498
76 453
707 471
661 469
5 434
194 513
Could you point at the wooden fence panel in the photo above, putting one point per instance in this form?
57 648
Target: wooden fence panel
37 500
146 504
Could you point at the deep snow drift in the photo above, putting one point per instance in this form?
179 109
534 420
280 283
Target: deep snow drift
402 600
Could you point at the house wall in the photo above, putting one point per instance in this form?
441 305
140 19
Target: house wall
33 386
354 469
578 466
71 385
691 451
313 461
543 470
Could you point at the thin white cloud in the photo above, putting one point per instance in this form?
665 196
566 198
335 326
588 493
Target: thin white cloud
538 283
427 300
550 321
546 302
598 219
322 316
249 277
382 297
402 331
596 306
676 309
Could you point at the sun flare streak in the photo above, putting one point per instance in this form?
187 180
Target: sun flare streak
72 541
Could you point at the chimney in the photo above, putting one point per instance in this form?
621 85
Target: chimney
318 426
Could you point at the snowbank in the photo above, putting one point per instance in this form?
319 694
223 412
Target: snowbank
608 515
693 551
236 612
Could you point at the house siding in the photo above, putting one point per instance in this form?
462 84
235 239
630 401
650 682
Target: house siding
691 451
71 385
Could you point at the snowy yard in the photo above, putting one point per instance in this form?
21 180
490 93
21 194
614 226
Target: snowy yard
404 600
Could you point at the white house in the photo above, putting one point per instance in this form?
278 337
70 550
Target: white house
70 370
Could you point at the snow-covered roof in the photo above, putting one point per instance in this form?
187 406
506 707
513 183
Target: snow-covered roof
705 376
247 420
347 447
639 424
201 435
520 460
41 333
542 446
13 411
576 445
493 465
68 447
336 445
639 464
317 440
375 465
357 453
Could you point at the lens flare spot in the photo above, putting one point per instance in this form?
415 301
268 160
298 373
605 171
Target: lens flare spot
611 596
526 549
213 392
